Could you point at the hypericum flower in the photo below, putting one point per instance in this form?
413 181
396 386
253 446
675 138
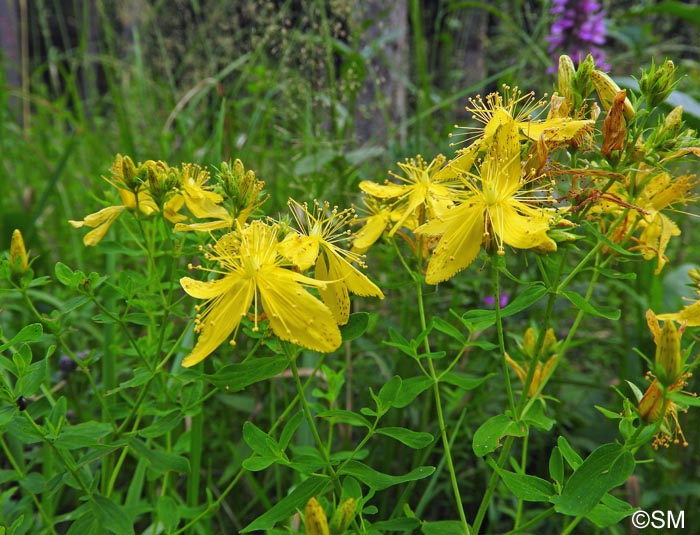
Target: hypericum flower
578 30
375 223
420 196
498 205
133 184
544 365
502 110
255 274
201 201
656 405
642 205
317 244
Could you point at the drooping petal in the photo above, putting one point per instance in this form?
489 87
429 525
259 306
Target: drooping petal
335 294
462 230
222 315
101 221
519 230
294 314
383 191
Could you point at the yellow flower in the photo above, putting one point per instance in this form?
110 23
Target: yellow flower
420 195
689 314
255 273
494 207
652 193
135 185
655 405
375 224
316 244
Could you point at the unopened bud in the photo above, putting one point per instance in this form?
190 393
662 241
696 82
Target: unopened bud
652 406
18 254
342 517
565 79
607 90
668 354
657 83
315 519
673 121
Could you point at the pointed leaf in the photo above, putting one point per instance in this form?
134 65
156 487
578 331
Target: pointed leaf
487 438
412 439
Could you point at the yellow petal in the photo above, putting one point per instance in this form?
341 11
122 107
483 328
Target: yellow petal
383 191
372 230
294 314
689 314
101 220
301 250
518 230
462 230
221 317
558 129
356 281
335 294
208 289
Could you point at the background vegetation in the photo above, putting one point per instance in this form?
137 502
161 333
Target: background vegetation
315 96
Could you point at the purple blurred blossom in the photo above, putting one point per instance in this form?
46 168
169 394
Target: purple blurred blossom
578 30
490 300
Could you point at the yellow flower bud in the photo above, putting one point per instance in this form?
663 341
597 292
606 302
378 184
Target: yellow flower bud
668 354
565 82
315 518
18 254
607 90
672 122
342 516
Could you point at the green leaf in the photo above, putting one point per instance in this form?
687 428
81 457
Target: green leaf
284 509
162 425
158 460
607 467
412 439
465 381
290 428
572 458
450 330
112 516
379 481
411 388
556 466
579 302
236 377
86 524
27 334
256 464
260 442
684 400
387 393
355 327
536 418
609 512
345 417
168 512
7 413
82 435
30 381
64 274
483 318
487 438
523 486
443 527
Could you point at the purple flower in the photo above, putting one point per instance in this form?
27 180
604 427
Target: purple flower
578 30
490 300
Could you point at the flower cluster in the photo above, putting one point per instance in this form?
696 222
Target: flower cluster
493 193
578 30
296 281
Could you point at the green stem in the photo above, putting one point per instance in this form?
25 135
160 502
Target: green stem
495 265
439 412
320 445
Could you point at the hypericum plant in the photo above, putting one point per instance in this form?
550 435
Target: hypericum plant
121 403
